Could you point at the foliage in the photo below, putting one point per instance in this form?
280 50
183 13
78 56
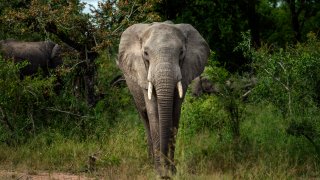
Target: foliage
219 22
289 79
84 36
201 114
63 21
205 112
104 24
28 20
233 91
115 96
33 105
286 81
22 102
221 114
222 21
113 17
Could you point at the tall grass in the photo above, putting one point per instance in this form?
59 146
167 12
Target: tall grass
120 152
266 151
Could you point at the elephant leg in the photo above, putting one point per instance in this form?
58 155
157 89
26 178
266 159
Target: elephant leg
176 117
152 111
154 129
144 116
139 99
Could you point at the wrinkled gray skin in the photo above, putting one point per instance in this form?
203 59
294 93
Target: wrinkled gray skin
43 54
155 57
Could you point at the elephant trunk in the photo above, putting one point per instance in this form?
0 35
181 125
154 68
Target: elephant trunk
165 85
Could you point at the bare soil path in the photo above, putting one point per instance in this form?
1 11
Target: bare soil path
7 175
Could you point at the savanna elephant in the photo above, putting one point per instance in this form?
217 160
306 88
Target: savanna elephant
43 54
202 85
159 61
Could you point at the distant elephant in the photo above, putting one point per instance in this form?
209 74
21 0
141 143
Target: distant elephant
159 61
43 54
202 85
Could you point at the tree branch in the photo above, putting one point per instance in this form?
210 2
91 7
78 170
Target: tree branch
52 28
67 112
277 79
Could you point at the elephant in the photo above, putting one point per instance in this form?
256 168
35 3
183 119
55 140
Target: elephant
202 85
42 54
159 60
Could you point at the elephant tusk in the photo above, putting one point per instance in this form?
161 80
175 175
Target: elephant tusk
180 90
150 87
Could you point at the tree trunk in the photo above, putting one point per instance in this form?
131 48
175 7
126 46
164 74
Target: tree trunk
85 54
254 23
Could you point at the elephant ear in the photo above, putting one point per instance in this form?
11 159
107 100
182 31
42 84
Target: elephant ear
197 53
129 58
55 55
55 51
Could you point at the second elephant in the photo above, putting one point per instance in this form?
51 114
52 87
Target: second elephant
42 54
202 85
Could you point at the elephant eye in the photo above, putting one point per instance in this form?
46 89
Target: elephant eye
145 53
181 53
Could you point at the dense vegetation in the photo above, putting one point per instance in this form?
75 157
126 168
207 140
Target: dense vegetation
270 130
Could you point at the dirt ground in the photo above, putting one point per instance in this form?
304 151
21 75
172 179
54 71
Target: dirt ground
7 175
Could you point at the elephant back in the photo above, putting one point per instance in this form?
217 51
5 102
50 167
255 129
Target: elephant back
38 54
19 51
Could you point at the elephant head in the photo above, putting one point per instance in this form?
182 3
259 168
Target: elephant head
54 50
43 54
202 85
159 61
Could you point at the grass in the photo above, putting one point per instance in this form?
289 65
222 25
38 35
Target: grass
265 152
121 150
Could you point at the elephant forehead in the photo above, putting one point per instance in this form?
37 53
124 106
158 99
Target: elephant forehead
163 43
164 32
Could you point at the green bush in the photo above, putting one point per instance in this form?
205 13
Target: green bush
290 80
201 114
275 136
22 102
116 96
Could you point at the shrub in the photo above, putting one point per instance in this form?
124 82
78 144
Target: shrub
22 102
290 80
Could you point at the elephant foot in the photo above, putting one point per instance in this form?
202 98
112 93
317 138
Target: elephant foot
165 177
173 169
150 154
166 172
